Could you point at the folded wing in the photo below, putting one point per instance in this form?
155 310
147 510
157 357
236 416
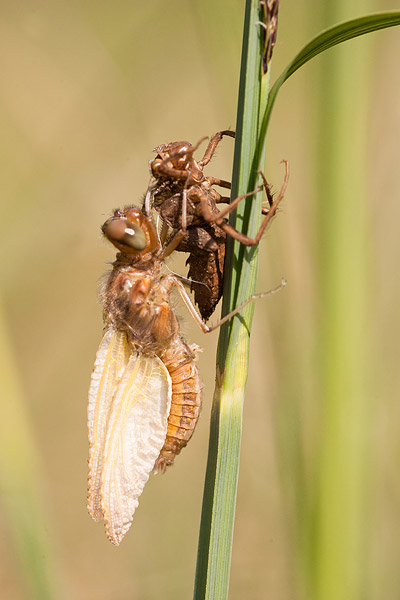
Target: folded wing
129 403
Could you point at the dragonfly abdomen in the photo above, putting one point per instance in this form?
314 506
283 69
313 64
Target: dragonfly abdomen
179 360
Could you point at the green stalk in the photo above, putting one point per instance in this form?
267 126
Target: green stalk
216 530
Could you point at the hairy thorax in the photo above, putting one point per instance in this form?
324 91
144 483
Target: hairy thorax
138 304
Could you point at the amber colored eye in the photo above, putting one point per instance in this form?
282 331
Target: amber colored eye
125 232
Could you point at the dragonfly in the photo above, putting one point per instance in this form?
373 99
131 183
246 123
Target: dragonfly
145 391
187 202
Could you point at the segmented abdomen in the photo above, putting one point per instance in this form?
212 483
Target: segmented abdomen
186 400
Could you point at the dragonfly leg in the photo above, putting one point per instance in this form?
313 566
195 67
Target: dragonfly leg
205 328
212 146
269 211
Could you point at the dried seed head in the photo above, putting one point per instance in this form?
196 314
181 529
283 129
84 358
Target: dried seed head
269 20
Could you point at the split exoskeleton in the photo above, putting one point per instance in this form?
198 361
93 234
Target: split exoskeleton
187 202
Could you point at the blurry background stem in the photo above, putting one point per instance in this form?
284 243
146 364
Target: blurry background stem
21 483
339 514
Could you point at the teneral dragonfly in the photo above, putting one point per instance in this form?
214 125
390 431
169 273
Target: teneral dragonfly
187 202
145 390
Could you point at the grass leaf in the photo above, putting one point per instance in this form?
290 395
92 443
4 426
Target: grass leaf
326 39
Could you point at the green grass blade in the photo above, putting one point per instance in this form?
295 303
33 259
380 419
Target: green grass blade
216 531
340 513
326 39
20 493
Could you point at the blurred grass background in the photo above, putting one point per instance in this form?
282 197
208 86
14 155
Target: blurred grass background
87 90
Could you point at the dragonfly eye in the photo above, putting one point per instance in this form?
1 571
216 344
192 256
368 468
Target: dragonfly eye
125 232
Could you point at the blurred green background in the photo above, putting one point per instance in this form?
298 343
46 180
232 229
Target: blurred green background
88 89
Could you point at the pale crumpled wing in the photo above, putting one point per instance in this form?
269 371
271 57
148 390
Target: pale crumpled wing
131 434
111 360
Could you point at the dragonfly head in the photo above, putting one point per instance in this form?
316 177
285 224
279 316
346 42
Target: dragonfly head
131 232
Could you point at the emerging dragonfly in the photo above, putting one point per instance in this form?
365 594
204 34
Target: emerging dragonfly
145 390
187 203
